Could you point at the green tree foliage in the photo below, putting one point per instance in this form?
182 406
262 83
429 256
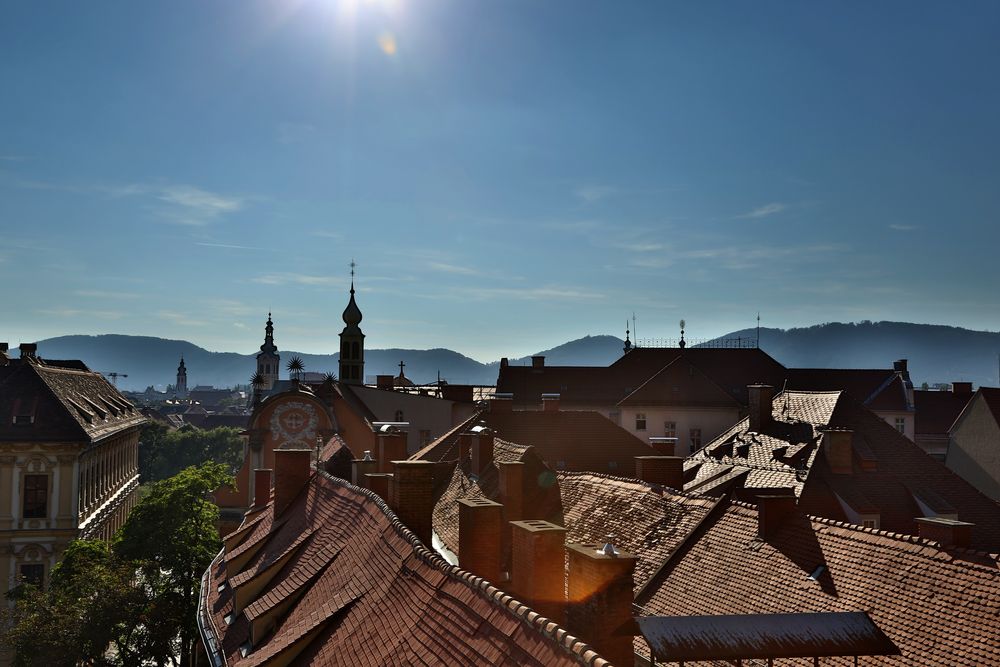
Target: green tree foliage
163 453
135 603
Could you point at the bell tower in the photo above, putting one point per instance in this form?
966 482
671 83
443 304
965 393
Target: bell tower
268 360
352 342
182 380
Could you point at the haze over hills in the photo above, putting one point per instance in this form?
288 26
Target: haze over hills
936 354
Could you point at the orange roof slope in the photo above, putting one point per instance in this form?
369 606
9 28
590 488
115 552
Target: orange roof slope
362 590
580 440
938 606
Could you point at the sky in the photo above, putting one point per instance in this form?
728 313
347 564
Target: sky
506 175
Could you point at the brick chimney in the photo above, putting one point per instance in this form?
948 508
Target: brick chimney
482 449
600 599
538 566
538 361
480 524
391 447
948 532
772 512
502 402
663 446
961 388
412 496
261 487
838 450
550 402
761 410
512 489
663 470
292 468
29 351
464 446
361 467
379 484
383 382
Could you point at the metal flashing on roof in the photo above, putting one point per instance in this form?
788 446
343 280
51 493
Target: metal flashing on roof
681 638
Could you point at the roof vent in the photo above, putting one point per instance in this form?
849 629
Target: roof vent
609 547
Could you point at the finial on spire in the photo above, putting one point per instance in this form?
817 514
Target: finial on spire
682 344
352 275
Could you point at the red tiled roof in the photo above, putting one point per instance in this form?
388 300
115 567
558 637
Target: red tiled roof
938 606
445 447
66 404
580 439
864 385
886 467
383 599
937 410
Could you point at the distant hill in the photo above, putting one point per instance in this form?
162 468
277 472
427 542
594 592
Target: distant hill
936 353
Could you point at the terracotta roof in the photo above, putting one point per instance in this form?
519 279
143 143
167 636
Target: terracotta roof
888 471
732 369
864 385
577 439
938 606
60 403
937 410
378 598
445 447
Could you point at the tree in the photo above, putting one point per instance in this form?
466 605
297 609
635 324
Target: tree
171 535
163 453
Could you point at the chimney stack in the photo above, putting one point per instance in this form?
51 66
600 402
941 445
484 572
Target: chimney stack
361 467
512 489
383 382
538 361
900 366
538 566
761 409
663 446
838 450
391 447
482 449
261 487
379 484
550 402
29 351
480 523
292 468
948 532
772 512
412 496
464 446
502 402
600 599
961 388
663 470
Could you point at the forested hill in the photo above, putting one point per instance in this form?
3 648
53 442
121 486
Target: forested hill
936 354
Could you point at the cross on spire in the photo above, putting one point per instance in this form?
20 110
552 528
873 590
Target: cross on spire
401 364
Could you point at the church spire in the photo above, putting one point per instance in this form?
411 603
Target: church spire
182 380
268 360
628 343
352 341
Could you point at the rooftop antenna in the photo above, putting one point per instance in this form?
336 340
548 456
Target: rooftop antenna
633 326
758 328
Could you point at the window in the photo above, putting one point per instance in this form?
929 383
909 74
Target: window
695 439
901 424
670 429
355 350
36 495
640 421
869 523
33 573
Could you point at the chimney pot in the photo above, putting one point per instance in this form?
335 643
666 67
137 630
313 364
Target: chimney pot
261 487
378 483
29 350
761 407
899 365
600 582
663 446
948 532
362 467
480 525
412 496
391 447
292 468
772 512
961 388
838 450
4 347
538 566
662 470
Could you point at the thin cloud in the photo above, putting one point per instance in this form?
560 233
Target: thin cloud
297 279
189 205
68 313
763 211
903 228
595 193
549 293
228 245
101 294
641 246
452 268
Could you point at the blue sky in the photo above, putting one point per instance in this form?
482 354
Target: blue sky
507 175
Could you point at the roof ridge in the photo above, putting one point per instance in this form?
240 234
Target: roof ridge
582 651
634 480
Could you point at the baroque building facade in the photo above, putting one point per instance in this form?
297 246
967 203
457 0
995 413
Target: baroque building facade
68 462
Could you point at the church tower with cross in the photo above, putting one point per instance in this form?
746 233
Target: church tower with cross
268 361
182 380
352 342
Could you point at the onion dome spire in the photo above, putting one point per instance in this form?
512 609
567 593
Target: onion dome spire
352 314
